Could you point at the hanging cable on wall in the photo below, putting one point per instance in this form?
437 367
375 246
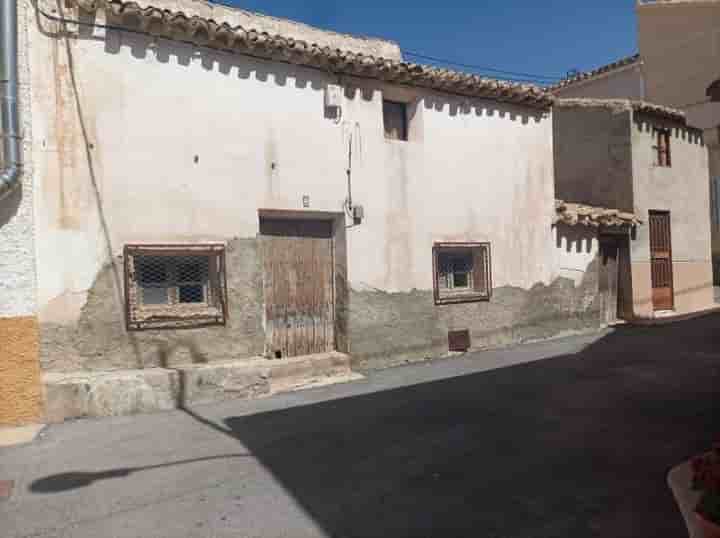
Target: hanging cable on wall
354 137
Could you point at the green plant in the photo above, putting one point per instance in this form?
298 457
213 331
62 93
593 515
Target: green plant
706 478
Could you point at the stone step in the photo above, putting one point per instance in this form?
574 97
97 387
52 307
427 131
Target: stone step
128 392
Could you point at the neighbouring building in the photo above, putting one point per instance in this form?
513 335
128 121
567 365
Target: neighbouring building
642 159
678 61
209 194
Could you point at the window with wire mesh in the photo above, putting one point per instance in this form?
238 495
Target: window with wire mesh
462 272
175 286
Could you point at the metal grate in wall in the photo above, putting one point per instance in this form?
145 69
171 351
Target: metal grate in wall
175 286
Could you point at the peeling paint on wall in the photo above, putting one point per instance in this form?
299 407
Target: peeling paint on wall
391 328
99 340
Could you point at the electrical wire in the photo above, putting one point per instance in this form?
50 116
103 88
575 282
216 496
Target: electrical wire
65 21
527 76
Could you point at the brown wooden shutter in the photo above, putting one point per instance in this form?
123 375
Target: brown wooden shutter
661 260
481 270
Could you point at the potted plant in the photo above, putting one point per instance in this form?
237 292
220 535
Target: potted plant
706 480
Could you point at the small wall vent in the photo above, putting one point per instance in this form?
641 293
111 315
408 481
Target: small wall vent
459 340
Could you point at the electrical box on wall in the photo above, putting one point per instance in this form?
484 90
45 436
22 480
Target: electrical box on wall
358 214
333 96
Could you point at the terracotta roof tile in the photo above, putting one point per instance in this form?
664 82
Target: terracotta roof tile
595 73
637 106
574 214
208 32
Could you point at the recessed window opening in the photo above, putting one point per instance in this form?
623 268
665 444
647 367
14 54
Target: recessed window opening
167 285
662 147
395 120
462 272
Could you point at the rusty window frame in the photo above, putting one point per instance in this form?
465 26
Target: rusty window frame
176 313
663 147
479 276
395 120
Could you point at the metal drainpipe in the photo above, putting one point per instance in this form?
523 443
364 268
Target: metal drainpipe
10 126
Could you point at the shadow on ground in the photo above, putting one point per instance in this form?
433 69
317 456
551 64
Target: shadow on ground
577 445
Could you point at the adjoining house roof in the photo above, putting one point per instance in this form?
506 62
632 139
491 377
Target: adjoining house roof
574 214
713 91
624 104
175 24
598 72
643 4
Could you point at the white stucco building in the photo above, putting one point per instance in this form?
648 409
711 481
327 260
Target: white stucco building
678 60
211 193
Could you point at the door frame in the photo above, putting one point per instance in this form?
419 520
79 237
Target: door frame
624 296
669 257
340 283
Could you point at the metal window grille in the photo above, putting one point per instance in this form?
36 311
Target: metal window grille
462 272
175 286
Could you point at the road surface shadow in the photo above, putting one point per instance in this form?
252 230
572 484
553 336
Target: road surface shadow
577 445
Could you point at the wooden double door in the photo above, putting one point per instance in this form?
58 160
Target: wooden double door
614 277
298 274
661 264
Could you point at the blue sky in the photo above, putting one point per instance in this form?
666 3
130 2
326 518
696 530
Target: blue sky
545 38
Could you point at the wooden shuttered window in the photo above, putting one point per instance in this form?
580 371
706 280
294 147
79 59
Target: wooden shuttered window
395 120
462 272
662 147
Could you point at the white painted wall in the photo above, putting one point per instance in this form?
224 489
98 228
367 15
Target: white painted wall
473 170
17 259
623 83
680 45
575 249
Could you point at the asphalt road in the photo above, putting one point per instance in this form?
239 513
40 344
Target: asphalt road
565 438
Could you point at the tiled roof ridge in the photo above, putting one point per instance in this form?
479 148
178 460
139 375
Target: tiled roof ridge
575 213
598 71
163 22
636 105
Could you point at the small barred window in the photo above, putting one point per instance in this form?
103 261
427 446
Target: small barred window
462 272
175 286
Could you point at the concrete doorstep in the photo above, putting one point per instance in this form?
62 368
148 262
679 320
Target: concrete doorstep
128 392
664 318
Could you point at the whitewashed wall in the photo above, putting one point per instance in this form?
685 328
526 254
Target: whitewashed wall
177 143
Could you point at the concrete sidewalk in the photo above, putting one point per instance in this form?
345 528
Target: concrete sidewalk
500 443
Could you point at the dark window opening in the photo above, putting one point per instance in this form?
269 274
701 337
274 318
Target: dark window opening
462 272
192 280
395 120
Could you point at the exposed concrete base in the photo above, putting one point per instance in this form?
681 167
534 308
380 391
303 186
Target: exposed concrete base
128 392
663 318
20 435
693 288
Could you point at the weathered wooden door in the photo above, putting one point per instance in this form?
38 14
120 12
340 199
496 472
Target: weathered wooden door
609 279
661 266
298 285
